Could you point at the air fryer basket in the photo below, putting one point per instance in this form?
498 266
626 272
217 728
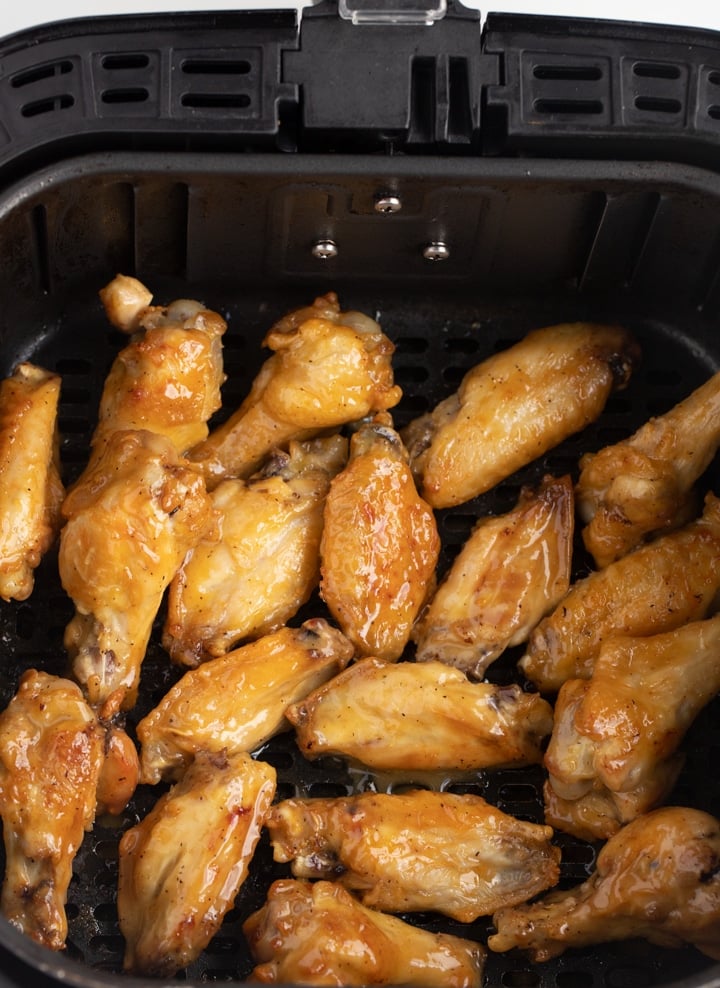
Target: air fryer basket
529 239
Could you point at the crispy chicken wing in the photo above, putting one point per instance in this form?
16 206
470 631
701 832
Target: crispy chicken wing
237 701
379 545
120 771
167 379
420 716
328 368
644 484
655 588
616 735
515 406
130 522
31 490
658 878
51 756
253 571
513 569
183 864
416 851
317 933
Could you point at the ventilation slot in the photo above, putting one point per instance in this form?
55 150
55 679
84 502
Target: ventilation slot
40 73
568 73
460 125
126 62
714 112
582 107
215 101
232 67
656 70
422 101
49 105
657 104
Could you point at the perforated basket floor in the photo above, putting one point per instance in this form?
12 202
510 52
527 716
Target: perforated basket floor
437 340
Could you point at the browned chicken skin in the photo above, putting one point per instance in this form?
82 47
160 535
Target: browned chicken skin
251 573
644 484
512 570
318 934
130 522
409 716
658 878
379 545
51 757
237 701
183 864
657 587
616 736
419 850
328 368
167 379
31 490
515 406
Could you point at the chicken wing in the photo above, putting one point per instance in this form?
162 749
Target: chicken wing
130 522
416 851
513 569
183 864
655 588
51 755
167 379
515 406
658 878
120 771
237 701
379 545
31 490
616 735
328 368
254 570
644 485
420 716
316 933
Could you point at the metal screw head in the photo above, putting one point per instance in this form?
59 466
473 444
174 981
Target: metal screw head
436 251
325 250
387 204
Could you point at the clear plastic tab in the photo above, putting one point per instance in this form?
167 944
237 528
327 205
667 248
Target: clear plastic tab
392 11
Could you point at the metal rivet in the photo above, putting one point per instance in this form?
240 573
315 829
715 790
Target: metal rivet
388 204
324 250
436 251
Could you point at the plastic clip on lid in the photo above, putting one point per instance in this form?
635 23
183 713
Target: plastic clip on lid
395 12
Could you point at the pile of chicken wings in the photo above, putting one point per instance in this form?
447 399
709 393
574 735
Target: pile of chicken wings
307 491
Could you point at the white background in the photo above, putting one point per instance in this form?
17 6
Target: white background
16 15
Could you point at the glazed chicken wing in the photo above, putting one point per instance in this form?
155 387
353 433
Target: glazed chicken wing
416 851
617 734
513 569
379 545
167 379
515 406
237 701
317 933
655 588
130 522
31 490
251 573
644 484
658 878
328 368
183 864
51 755
420 716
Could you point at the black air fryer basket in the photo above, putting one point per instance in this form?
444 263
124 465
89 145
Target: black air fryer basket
462 186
